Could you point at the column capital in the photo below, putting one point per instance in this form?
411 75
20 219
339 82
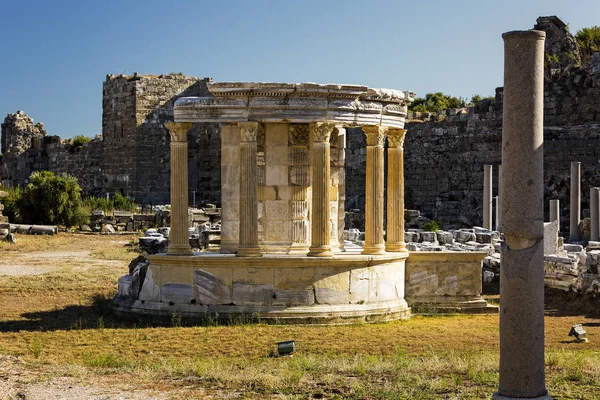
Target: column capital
249 130
178 130
375 134
321 131
396 137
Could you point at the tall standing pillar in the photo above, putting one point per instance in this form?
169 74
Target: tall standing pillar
594 223
179 244
555 212
320 133
248 244
499 202
374 190
487 197
575 211
395 191
497 213
522 252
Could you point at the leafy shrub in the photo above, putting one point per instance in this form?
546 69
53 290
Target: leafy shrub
11 203
52 199
431 226
118 202
588 40
79 141
436 102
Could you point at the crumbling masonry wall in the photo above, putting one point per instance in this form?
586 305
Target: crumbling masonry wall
132 154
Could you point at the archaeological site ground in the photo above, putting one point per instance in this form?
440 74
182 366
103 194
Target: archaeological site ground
409 252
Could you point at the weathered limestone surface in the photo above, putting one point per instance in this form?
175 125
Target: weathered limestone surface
522 252
575 209
487 197
395 191
447 282
341 289
179 244
374 243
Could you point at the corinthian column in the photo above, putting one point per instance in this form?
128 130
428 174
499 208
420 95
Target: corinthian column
179 244
248 246
395 191
374 190
320 246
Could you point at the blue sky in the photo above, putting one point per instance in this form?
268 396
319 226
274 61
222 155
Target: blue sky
55 55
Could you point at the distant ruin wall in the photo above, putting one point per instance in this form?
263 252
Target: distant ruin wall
132 155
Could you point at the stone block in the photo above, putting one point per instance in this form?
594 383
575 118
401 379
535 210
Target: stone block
294 297
428 237
332 286
276 155
276 175
252 294
177 293
550 238
276 134
214 286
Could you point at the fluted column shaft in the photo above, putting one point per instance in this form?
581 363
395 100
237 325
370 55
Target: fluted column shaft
320 133
248 241
395 192
179 244
522 252
374 190
575 211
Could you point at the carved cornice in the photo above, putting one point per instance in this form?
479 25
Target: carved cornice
396 137
249 131
178 130
375 134
299 134
300 103
321 131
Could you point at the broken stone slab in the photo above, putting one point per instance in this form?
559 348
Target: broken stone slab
153 245
3 194
445 237
108 228
483 237
464 236
428 237
165 231
573 248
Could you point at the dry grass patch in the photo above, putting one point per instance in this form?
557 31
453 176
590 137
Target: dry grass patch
59 324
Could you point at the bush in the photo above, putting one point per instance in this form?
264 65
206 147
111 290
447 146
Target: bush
79 141
118 202
436 102
588 40
52 199
431 226
11 203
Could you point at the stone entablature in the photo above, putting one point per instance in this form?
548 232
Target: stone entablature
351 105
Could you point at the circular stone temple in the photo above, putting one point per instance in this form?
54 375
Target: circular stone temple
282 205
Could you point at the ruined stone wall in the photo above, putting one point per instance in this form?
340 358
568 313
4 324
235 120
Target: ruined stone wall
135 109
445 154
132 155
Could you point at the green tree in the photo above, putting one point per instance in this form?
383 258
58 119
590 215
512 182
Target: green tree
588 40
52 199
11 203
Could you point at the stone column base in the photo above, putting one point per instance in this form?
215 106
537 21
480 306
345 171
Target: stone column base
179 250
321 251
496 396
249 252
374 250
396 247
